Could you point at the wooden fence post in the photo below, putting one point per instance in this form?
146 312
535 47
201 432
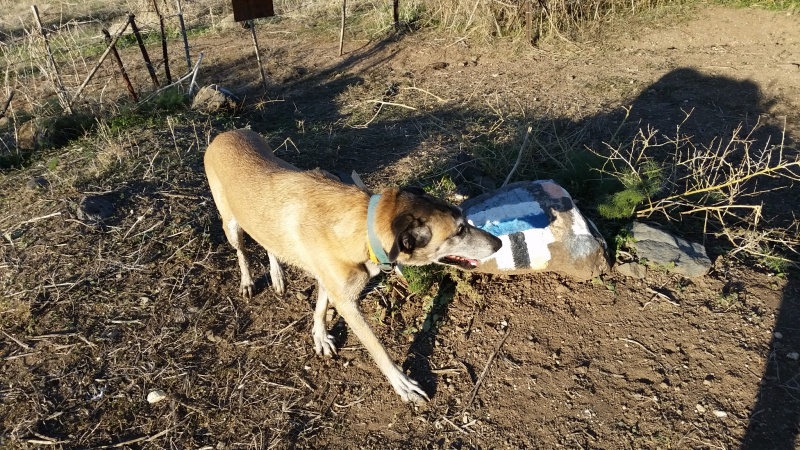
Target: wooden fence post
97 66
132 21
183 33
61 93
252 24
127 80
163 42
341 32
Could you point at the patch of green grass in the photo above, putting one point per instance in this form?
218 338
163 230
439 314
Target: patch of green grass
436 307
728 301
638 186
422 278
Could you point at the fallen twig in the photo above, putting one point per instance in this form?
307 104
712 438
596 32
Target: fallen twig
426 92
18 342
662 296
454 425
381 102
631 341
140 439
486 369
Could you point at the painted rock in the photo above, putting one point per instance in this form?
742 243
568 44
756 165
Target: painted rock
541 229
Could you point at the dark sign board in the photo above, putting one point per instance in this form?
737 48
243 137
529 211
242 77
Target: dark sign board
252 9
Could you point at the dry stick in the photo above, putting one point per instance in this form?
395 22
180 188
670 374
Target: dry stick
20 343
183 33
97 66
8 103
144 50
121 66
163 42
258 53
519 156
341 31
486 369
60 91
194 74
133 441
396 13
528 20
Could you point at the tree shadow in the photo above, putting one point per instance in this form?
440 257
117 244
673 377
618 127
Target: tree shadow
774 421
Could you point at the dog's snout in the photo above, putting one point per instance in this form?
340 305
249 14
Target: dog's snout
496 243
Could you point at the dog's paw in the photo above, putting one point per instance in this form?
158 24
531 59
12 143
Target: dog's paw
278 282
408 389
246 289
323 344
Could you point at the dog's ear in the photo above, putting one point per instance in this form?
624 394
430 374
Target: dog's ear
409 234
413 190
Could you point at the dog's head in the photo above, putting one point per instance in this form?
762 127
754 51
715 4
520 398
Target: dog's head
429 230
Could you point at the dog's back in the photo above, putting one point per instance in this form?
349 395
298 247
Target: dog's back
260 191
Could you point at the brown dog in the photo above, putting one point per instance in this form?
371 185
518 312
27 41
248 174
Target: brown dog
336 232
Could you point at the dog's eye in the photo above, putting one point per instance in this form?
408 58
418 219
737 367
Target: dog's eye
461 230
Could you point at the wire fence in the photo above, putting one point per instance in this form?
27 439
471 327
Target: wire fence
52 65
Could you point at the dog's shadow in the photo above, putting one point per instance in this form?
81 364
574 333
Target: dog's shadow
417 362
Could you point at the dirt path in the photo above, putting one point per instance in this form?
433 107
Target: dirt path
711 363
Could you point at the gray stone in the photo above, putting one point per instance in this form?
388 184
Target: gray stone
674 254
93 209
32 134
37 183
213 98
541 229
632 270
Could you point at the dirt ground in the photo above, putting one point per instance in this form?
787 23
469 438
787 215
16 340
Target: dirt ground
95 318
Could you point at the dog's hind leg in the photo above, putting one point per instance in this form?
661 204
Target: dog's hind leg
276 274
235 236
323 342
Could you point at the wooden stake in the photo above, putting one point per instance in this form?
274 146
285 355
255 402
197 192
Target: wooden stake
341 32
528 19
258 53
144 50
102 58
396 13
183 33
8 103
63 98
127 80
163 42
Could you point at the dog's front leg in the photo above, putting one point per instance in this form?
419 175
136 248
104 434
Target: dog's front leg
347 307
323 342
407 388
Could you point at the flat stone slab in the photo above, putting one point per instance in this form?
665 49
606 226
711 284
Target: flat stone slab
674 254
214 98
541 229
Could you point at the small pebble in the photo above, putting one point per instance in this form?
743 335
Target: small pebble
778 335
720 414
793 356
699 408
156 396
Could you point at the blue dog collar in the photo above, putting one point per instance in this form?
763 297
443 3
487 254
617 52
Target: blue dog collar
376 252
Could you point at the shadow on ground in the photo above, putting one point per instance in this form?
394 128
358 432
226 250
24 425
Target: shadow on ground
706 108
